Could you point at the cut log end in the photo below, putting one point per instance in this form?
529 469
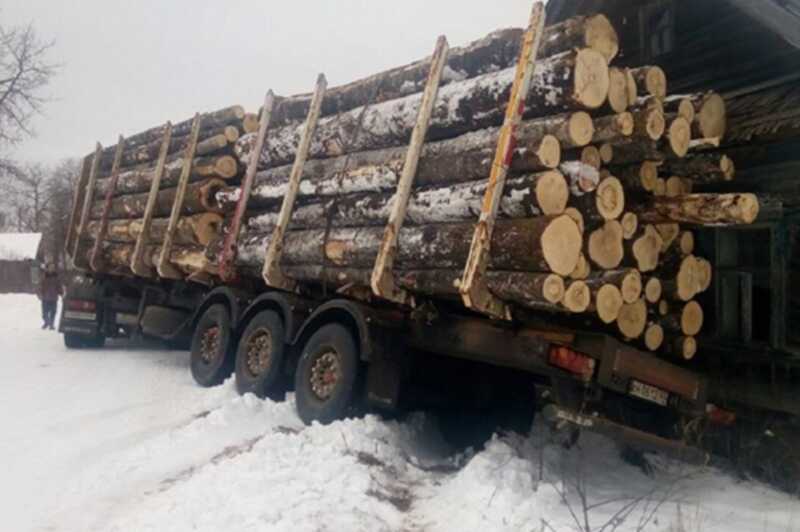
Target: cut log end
610 198
207 227
630 224
606 153
728 168
633 89
655 82
553 289
686 109
608 303
590 156
631 287
692 318
663 307
577 217
668 233
646 249
618 90
705 273
711 119
549 152
591 78
561 245
680 136
632 319
578 297
686 243
605 245
685 347
654 337
552 193
653 290
582 270
676 186
601 36
580 128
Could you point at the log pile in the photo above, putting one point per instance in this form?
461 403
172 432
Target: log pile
213 168
595 222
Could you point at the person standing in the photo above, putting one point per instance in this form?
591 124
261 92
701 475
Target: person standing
49 291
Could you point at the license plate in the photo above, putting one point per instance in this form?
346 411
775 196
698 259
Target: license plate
649 393
75 315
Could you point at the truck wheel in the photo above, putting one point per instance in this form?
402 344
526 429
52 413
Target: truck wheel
79 341
259 357
327 375
212 358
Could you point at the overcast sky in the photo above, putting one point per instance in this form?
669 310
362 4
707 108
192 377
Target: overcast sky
130 65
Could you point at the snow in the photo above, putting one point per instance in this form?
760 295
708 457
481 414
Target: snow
19 246
121 439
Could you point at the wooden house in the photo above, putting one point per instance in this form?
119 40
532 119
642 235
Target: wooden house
19 254
749 51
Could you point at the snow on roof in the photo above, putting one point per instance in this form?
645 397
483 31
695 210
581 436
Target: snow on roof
19 246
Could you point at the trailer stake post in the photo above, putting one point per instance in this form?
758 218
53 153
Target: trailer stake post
96 261
165 268
474 291
272 273
227 270
77 203
138 265
382 281
81 263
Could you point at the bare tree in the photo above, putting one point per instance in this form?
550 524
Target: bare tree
24 72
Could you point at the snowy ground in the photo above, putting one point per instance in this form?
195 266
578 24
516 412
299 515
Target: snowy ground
121 439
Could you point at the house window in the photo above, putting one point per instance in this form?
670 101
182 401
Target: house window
657 23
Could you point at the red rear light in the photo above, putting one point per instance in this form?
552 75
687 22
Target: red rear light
81 305
719 416
572 361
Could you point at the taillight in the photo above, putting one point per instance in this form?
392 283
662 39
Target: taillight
572 361
720 416
81 305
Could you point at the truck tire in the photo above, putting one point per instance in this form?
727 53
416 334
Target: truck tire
211 359
79 341
327 375
260 356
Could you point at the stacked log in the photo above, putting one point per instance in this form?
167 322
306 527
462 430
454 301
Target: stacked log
213 168
595 219
594 224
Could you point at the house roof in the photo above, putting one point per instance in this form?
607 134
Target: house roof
19 246
780 16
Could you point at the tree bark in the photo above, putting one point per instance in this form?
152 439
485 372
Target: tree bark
210 141
686 320
703 168
652 80
466 158
540 244
200 197
569 81
188 259
140 180
498 50
526 196
229 116
198 230
700 209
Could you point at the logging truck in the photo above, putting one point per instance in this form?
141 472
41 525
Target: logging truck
524 202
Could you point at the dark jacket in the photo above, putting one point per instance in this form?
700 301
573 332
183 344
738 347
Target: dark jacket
50 288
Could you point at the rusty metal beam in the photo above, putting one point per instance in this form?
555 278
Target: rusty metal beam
81 263
227 271
137 259
165 268
474 291
95 262
272 273
382 281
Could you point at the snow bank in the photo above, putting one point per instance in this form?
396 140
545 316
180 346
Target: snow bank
122 439
19 246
